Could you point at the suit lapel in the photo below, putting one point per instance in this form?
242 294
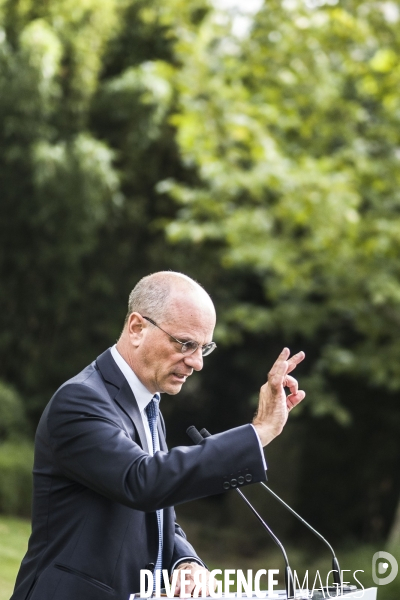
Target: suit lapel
121 392
161 437
127 402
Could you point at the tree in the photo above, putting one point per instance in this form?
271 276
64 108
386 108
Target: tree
137 136
293 133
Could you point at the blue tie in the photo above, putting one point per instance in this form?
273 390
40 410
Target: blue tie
152 410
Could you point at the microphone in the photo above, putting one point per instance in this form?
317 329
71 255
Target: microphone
194 435
197 438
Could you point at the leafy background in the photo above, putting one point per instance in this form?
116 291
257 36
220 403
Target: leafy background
255 147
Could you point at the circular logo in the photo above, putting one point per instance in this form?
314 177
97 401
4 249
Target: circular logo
381 568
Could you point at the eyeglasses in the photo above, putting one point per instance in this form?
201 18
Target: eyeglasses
190 346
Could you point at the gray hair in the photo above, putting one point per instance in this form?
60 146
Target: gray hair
150 295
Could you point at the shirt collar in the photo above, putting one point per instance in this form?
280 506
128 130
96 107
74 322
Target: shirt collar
141 393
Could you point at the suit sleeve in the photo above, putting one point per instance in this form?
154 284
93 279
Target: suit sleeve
183 550
91 447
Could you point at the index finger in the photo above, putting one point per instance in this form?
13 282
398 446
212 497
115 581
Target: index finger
294 360
280 365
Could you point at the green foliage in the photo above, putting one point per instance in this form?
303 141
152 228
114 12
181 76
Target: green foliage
293 133
57 180
14 534
16 478
13 422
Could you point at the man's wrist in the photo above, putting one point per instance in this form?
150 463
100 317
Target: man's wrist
184 565
189 561
265 433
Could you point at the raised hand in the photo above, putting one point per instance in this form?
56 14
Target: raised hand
274 405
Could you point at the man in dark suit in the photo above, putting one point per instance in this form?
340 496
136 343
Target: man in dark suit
105 483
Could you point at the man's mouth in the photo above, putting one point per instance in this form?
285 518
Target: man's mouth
181 376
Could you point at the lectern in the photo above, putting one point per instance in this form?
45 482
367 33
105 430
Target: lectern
361 594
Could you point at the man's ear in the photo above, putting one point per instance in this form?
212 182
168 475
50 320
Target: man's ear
135 326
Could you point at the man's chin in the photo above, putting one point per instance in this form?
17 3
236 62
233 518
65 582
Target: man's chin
171 390
172 387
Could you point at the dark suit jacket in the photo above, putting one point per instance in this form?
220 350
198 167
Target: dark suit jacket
96 490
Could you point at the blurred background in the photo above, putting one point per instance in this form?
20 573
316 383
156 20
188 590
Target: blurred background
256 147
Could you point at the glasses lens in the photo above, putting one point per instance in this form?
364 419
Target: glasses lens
189 347
208 348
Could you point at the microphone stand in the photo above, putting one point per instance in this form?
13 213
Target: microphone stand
335 563
197 438
338 584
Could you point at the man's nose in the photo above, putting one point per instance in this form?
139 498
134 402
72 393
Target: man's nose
195 360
